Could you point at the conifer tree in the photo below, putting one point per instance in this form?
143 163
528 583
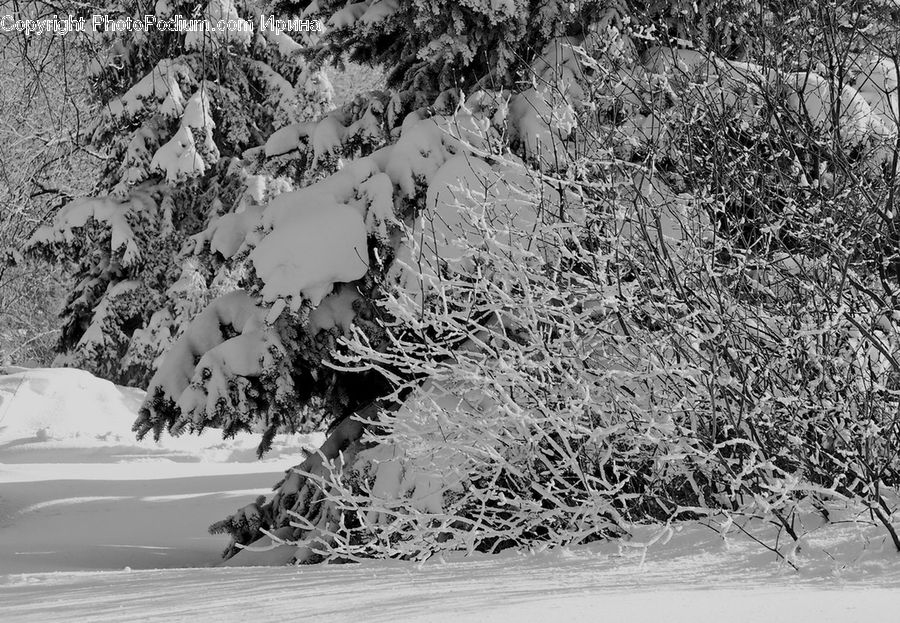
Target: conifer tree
179 110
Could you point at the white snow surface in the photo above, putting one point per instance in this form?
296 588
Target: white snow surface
322 245
95 526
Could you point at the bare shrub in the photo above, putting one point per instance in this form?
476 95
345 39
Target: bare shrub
43 165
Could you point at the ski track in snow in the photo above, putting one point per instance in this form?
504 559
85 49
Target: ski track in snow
588 588
97 527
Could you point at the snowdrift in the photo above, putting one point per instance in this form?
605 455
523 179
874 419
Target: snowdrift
57 414
79 493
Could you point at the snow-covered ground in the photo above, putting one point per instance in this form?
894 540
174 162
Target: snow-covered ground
95 526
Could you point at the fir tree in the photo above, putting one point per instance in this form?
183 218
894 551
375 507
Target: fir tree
179 110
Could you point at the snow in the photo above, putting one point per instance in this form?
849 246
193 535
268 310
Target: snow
47 415
660 217
77 491
95 526
163 8
465 194
868 109
67 515
304 257
521 591
113 213
180 157
379 11
327 138
286 45
155 87
417 155
666 60
248 355
335 311
138 153
540 119
173 105
814 96
347 16
281 94
95 333
506 7
235 310
217 10
226 234
287 138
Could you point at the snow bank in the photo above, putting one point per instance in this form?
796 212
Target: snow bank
78 493
63 414
61 404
